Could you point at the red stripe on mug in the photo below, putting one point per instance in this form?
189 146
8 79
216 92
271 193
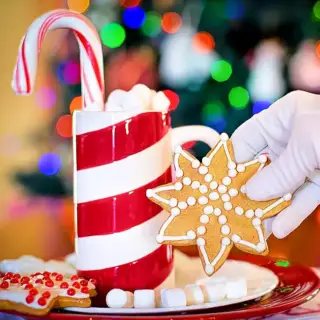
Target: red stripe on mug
146 273
121 212
113 143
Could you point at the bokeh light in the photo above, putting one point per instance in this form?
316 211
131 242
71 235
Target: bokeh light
45 98
130 3
49 164
203 42
76 104
213 115
152 24
238 97
68 72
316 10
174 99
64 126
221 70
234 9
259 106
171 22
318 49
134 17
112 35
79 5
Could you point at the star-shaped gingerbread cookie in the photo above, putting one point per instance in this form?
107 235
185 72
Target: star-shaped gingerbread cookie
209 207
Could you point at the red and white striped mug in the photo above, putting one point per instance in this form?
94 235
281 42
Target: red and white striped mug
118 157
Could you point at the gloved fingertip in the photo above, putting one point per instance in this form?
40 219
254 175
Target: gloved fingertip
255 190
278 232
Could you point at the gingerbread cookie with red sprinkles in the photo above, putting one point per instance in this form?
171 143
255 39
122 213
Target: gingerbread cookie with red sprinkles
38 293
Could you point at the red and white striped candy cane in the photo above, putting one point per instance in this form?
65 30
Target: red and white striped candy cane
91 57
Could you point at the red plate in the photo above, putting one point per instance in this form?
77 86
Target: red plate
298 284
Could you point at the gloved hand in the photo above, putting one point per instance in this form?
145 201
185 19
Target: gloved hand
289 131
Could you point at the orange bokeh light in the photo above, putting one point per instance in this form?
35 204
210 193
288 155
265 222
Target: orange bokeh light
203 42
76 104
171 22
130 3
64 126
318 49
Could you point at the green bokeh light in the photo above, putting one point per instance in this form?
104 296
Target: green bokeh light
152 24
316 10
221 70
212 109
238 97
112 35
282 263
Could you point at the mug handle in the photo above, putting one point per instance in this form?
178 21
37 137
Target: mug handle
182 135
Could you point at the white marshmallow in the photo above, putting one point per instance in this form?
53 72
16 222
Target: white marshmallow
117 298
160 102
213 292
194 294
236 288
172 298
132 101
116 98
144 299
143 92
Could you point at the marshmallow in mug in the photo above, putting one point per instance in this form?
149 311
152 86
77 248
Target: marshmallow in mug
139 98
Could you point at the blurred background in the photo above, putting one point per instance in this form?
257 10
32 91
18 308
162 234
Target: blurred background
223 60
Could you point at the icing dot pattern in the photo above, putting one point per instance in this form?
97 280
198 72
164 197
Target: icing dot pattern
214 197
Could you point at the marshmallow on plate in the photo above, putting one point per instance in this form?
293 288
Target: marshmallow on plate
117 298
213 292
144 299
172 298
194 294
236 288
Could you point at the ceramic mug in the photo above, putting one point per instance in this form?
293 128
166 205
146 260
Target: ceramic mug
118 156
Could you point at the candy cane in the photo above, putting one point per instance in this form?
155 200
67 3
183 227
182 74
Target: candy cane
91 56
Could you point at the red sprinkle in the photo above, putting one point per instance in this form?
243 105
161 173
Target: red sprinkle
54 274
4 285
59 277
85 290
74 277
46 294
39 281
14 280
46 274
49 283
28 286
37 274
64 285
84 283
71 292
9 274
24 280
42 301
76 285
29 299
33 292
17 276
93 281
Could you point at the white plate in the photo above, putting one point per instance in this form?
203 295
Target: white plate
260 281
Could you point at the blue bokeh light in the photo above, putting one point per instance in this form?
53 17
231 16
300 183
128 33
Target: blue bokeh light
217 123
134 17
259 106
234 9
49 164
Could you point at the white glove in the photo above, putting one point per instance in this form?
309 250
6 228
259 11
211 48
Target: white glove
289 131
